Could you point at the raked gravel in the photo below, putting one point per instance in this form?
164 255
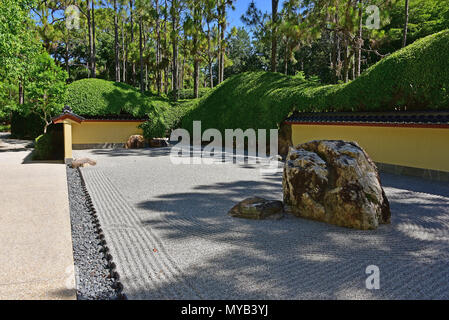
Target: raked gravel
168 230
92 276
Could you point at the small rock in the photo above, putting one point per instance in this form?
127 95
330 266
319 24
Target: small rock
258 209
159 142
135 142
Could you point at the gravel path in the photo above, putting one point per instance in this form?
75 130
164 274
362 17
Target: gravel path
168 231
92 275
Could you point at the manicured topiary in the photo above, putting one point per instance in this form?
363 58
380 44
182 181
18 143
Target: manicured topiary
100 97
164 117
189 94
416 77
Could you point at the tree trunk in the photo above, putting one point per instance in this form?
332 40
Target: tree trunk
346 63
89 27
123 53
209 56
131 21
116 44
146 76
182 71
196 62
219 46
358 53
21 93
175 49
286 57
404 40
222 27
94 49
141 54
158 51
274 44
222 51
66 55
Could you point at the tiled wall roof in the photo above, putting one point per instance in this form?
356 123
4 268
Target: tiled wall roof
399 117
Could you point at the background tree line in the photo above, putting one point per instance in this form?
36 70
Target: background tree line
164 46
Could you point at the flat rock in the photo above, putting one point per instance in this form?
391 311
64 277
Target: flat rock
159 142
258 209
84 162
335 182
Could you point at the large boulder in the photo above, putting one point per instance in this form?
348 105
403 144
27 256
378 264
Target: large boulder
334 182
258 209
135 142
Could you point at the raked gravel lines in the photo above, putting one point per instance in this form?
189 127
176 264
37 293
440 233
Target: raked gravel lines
169 234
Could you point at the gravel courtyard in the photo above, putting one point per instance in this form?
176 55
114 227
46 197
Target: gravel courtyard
169 233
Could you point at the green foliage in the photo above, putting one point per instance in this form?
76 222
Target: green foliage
50 145
189 94
5 127
415 77
164 117
249 100
100 97
43 147
17 43
45 88
26 127
425 18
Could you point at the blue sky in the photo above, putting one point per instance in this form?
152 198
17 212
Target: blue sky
240 8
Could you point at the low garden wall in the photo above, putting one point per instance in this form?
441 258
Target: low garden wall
420 150
96 133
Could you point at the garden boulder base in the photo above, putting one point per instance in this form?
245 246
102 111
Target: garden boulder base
258 209
334 182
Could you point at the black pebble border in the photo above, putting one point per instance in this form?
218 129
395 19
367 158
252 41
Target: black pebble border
117 285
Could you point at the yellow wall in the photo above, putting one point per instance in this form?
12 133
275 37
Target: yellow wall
104 132
426 148
67 140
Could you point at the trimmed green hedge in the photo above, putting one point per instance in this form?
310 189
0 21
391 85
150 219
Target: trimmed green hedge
100 97
416 77
163 118
189 94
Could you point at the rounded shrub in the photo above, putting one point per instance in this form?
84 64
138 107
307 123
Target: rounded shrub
101 97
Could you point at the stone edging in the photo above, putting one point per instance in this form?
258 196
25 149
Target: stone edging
117 285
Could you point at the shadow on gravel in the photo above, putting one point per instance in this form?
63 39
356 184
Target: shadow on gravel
415 184
150 152
297 258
